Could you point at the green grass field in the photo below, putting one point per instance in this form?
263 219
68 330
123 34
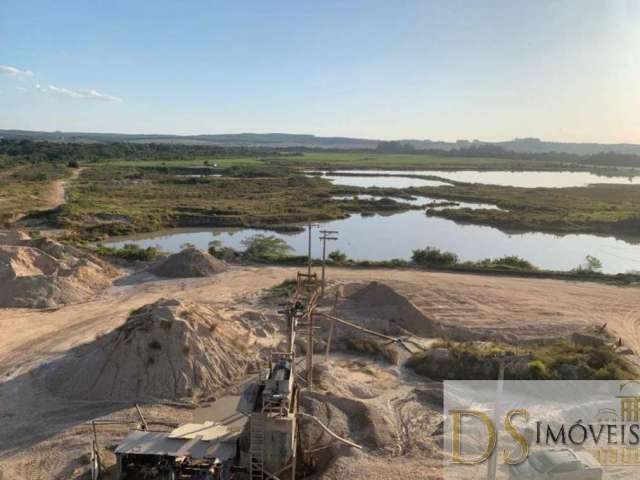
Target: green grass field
347 160
194 162
394 161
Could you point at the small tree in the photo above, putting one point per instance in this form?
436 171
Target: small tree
591 265
338 256
594 264
265 247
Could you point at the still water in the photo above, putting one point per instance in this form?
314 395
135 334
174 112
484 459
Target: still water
504 178
382 182
395 236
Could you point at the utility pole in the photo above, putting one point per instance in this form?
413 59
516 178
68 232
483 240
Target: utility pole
324 236
310 226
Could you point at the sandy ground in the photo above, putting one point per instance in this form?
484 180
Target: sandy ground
43 437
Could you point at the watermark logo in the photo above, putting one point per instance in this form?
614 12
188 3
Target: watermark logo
527 429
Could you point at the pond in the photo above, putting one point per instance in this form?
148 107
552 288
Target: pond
505 178
384 237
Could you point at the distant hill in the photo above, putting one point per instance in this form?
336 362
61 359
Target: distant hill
520 145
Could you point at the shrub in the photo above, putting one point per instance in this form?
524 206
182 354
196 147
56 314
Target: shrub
338 257
130 252
433 257
228 254
265 247
556 359
511 261
591 264
374 348
283 289
215 248
538 370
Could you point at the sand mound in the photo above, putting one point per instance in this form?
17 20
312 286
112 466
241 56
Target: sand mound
25 262
380 301
190 262
43 273
11 237
165 350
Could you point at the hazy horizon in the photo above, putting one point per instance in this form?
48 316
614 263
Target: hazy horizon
559 71
204 134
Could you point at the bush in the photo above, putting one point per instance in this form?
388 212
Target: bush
373 348
283 289
73 164
338 257
550 360
130 252
538 370
591 265
265 247
433 257
216 249
511 261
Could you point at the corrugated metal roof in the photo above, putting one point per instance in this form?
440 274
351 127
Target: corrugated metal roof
159 443
212 435
205 431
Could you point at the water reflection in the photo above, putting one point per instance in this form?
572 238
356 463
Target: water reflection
504 178
396 236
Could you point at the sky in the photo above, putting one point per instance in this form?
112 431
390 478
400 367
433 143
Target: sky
442 70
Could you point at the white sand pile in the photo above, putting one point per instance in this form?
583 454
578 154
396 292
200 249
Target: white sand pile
190 262
43 273
165 350
378 301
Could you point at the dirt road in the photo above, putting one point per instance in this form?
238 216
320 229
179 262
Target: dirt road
56 196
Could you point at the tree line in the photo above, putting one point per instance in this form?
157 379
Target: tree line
37 151
32 151
613 159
